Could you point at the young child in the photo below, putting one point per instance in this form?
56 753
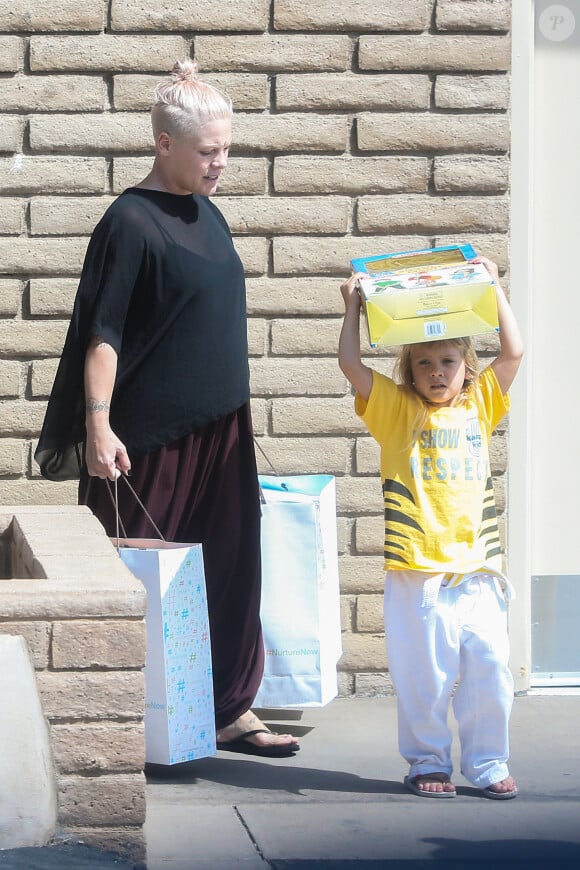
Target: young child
445 594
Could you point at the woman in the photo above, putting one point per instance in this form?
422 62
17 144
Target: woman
154 382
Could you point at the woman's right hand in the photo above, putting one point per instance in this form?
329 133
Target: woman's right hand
106 455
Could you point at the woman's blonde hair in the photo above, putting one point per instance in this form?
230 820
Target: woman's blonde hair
185 102
404 375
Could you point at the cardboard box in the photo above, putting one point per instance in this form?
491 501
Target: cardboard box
428 295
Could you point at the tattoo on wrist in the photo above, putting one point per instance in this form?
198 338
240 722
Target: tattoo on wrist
94 405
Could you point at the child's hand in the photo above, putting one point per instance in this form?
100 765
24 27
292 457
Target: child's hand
490 266
349 290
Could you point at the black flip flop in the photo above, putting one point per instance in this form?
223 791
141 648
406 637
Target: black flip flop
243 745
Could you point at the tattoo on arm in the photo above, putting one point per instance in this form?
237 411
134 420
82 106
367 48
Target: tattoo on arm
94 405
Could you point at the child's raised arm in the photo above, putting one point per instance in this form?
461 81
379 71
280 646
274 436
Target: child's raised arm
507 362
359 375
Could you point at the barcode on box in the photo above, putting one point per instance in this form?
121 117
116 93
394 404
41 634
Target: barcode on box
434 329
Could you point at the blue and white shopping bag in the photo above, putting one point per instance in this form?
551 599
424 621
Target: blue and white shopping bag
300 608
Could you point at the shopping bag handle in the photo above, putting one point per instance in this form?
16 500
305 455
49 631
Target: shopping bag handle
271 464
115 500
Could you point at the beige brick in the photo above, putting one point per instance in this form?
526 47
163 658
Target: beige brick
320 256
473 15
259 416
98 748
347 611
10 296
345 15
246 90
295 377
21 174
359 495
302 456
402 213
471 172
10 376
198 16
472 92
111 644
77 215
367 456
12 216
12 461
373 685
354 175
370 613
273 53
432 132
102 800
125 841
434 53
290 132
342 531
25 93
120 131
361 574
345 684
305 337
35 492
313 296
256 337
106 53
286 214
253 252
20 418
42 378
36 634
42 256
360 650
11 51
316 416
52 297
31 16
370 534
30 338
244 175
352 91
73 695
498 453
11 133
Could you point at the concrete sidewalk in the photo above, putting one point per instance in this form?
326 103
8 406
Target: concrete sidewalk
339 803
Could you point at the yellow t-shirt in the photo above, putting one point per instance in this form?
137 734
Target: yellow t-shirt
440 512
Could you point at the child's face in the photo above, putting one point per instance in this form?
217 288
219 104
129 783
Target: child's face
438 369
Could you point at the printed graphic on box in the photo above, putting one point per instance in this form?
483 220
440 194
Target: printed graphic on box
426 295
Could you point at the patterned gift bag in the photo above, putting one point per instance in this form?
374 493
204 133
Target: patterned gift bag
179 709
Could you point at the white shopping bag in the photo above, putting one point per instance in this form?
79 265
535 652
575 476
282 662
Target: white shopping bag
300 609
179 708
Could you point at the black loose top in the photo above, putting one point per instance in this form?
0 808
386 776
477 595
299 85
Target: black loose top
164 286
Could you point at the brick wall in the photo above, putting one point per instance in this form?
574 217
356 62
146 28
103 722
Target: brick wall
360 128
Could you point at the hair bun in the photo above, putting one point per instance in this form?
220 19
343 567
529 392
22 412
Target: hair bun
185 71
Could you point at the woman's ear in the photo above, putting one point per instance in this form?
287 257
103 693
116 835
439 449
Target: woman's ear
164 143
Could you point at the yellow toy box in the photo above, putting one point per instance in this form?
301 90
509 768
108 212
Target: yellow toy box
427 295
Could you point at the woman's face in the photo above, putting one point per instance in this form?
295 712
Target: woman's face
194 163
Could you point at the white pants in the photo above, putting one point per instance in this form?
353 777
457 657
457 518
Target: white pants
437 636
